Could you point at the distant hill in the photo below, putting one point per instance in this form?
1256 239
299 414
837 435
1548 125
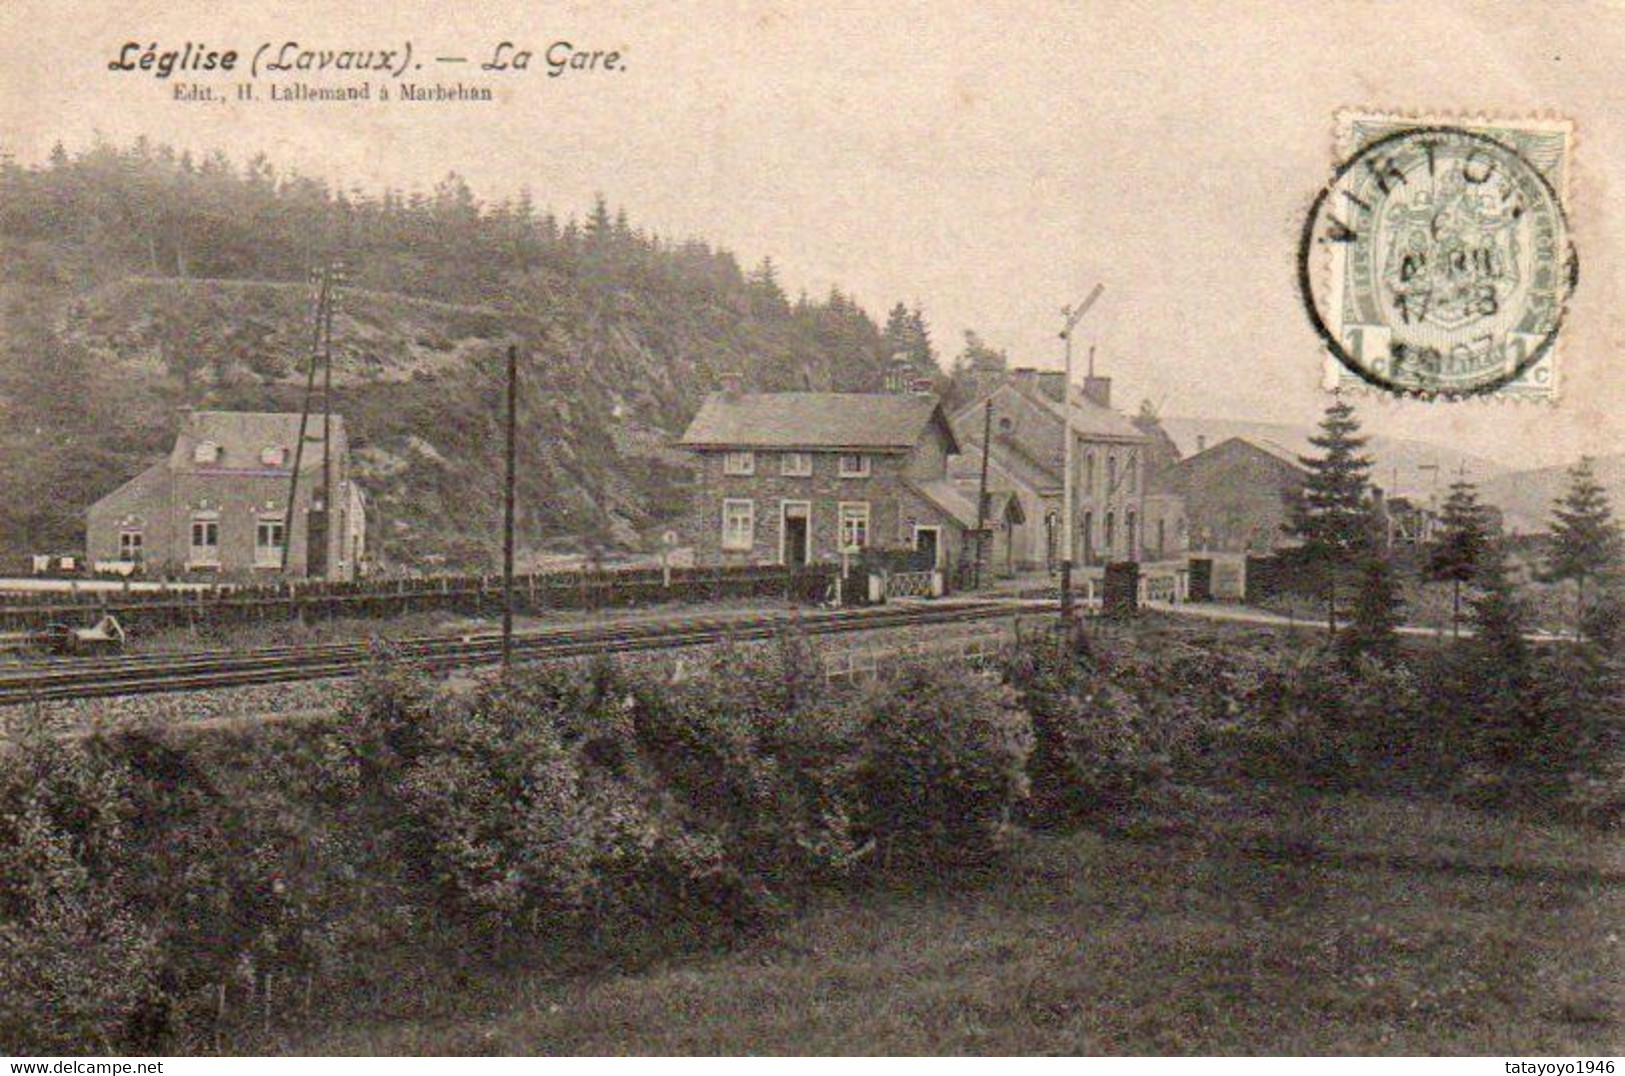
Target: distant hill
1389 452
133 280
1527 496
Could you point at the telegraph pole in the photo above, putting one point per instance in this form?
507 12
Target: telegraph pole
1067 526
981 493
507 512
327 281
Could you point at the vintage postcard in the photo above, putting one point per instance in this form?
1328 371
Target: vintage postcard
744 527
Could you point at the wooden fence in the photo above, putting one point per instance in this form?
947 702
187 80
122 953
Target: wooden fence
481 595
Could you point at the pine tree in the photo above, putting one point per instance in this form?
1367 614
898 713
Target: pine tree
898 336
921 349
1332 515
1585 542
1499 673
1378 613
1455 556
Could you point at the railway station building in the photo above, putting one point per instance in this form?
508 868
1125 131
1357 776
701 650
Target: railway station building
800 477
217 504
1120 510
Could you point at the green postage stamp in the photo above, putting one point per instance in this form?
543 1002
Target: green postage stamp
1438 263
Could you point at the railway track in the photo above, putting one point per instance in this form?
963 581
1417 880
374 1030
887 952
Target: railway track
153 673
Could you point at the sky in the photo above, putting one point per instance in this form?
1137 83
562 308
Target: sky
990 161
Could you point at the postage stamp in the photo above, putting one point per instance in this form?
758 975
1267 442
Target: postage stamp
1438 261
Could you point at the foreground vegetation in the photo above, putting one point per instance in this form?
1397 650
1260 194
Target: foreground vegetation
1200 927
174 891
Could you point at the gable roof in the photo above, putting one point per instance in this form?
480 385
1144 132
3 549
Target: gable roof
1258 445
242 435
877 422
947 498
133 492
1039 447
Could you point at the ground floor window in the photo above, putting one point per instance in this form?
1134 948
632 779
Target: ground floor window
129 546
269 537
854 524
205 539
738 525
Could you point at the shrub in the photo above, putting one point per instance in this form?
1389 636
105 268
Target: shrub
1092 751
760 753
941 765
77 967
496 823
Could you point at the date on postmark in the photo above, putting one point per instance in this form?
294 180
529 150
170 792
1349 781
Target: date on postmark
1438 263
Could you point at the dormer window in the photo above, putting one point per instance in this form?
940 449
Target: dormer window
206 452
273 455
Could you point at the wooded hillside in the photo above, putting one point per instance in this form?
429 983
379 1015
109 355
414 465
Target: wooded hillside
137 279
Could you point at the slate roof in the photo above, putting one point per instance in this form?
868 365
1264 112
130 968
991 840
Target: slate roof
135 491
1257 444
873 422
947 497
1089 418
1042 449
242 435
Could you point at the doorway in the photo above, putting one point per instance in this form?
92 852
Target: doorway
928 540
795 532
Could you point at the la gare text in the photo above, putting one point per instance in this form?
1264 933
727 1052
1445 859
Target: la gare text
271 58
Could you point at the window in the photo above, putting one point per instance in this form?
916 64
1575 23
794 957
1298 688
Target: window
205 539
796 465
1006 424
273 455
1111 474
1089 471
205 452
855 465
738 525
739 463
1133 472
129 546
854 524
1111 534
1129 537
268 539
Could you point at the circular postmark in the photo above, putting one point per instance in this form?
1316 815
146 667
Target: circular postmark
1437 262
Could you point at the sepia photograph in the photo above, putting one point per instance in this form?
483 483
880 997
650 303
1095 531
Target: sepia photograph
745 528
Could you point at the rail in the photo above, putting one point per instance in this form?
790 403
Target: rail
153 673
149 610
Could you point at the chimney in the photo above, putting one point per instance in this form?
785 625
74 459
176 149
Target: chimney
1098 389
1053 384
900 374
731 381
1201 442
923 386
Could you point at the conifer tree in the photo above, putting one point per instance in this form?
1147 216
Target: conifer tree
1585 542
1332 514
1456 554
1378 613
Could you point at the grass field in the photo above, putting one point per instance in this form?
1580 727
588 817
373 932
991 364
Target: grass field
1252 923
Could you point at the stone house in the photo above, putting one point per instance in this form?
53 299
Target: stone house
1238 495
800 477
217 504
1117 516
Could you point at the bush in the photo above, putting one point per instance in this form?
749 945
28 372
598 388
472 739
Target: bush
941 766
77 967
1092 751
496 821
760 752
